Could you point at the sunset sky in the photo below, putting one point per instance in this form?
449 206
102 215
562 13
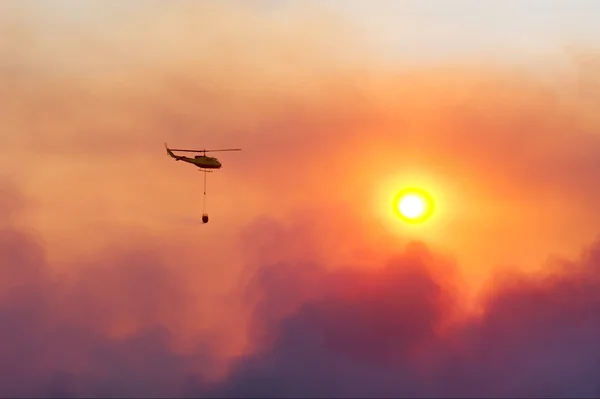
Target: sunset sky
305 281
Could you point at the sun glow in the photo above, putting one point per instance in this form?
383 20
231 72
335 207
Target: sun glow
413 205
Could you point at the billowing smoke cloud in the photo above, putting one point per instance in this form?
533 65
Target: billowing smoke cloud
303 284
395 329
99 331
398 330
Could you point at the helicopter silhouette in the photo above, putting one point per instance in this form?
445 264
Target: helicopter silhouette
204 162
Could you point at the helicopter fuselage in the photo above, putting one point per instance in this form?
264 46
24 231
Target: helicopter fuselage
202 161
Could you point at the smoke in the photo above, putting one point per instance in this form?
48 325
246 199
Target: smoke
303 283
393 329
98 330
398 330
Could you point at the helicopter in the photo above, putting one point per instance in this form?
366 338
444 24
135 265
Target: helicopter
204 163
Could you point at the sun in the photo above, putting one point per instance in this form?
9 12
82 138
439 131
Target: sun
413 205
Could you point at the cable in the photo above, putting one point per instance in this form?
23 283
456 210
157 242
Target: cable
204 198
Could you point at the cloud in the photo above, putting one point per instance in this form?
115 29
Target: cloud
101 330
392 330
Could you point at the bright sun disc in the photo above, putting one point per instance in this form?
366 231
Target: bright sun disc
413 205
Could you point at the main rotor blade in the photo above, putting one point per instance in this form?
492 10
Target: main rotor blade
186 150
228 149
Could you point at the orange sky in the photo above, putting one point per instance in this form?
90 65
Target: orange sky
329 133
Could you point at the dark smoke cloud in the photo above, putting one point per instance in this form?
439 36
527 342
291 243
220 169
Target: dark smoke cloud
54 340
393 329
380 332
